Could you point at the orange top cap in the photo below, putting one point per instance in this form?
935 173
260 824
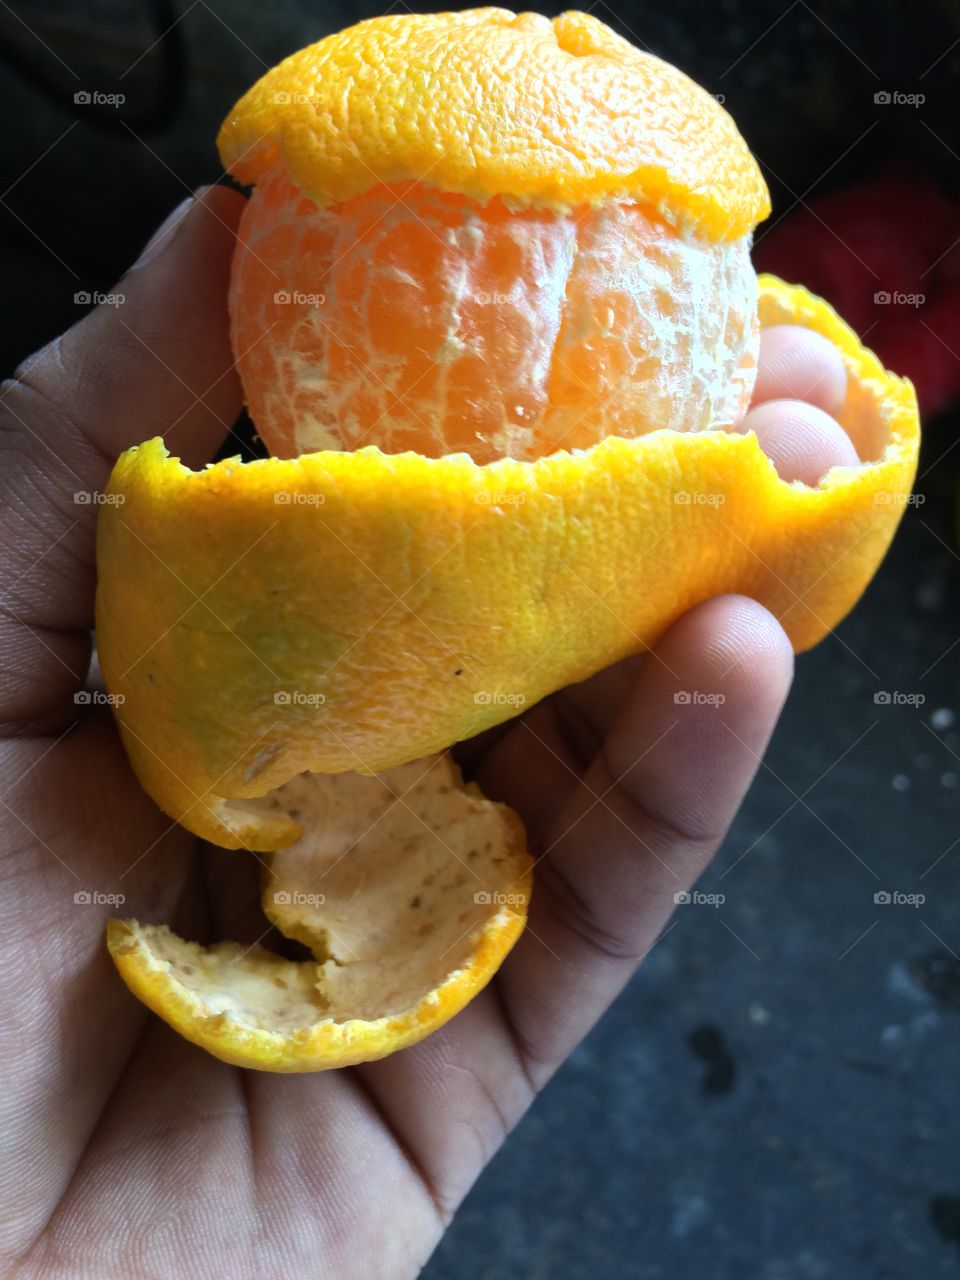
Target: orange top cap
539 111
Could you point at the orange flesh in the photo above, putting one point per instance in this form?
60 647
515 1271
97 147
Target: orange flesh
415 319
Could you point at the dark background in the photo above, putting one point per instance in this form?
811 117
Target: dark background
773 1098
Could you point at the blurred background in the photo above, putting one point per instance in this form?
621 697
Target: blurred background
772 1098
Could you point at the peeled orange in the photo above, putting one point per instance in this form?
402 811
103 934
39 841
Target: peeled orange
493 309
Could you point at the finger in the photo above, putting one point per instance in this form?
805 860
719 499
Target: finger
645 821
453 1098
801 441
159 362
797 364
567 726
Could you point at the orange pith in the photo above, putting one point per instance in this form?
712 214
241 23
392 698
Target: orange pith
421 320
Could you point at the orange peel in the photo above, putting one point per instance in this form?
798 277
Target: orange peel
409 889
487 102
354 611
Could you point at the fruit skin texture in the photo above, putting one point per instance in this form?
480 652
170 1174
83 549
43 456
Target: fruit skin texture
558 112
428 599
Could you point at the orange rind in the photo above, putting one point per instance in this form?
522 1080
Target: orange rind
353 611
409 889
550 112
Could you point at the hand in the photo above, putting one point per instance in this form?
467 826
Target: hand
128 1152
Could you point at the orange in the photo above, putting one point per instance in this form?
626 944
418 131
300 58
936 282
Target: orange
412 318
491 296
472 307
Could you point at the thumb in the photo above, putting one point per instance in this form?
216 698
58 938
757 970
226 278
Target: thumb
154 359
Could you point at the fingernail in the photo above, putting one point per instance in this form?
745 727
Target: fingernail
165 233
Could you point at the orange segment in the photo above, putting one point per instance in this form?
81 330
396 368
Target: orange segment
488 103
414 319
409 889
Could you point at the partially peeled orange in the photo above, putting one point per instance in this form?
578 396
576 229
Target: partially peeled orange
494 312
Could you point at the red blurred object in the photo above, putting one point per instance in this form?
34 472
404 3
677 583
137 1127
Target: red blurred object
886 255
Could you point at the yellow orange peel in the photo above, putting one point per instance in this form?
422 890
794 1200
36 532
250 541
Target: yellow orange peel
354 611
558 112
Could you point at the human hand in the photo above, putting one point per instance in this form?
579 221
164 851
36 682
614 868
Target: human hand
127 1150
